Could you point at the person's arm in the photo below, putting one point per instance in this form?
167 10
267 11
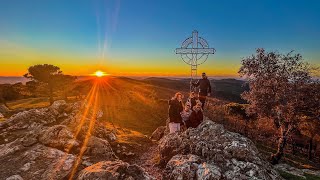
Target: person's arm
209 88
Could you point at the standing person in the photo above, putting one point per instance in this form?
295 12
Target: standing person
196 116
204 88
185 114
175 108
192 99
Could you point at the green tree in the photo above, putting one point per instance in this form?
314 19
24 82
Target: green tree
44 73
275 92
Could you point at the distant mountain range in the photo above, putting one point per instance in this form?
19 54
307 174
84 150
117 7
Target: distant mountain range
18 79
12 79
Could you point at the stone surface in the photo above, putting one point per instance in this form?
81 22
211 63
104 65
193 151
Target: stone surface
295 171
158 133
41 143
98 149
37 162
113 170
58 136
211 152
15 177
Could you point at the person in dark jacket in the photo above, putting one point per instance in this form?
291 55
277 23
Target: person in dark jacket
204 88
175 108
196 116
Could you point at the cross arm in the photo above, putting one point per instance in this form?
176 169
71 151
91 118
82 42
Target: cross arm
195 51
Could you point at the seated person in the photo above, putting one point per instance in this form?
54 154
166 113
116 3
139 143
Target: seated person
196 116
185 114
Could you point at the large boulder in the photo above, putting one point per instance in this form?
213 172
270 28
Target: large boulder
211 152
191 166
98 148
35 162
58 136
113 170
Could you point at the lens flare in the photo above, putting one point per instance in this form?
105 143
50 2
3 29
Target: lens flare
100 73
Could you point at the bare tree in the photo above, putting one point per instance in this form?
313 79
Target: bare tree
275 82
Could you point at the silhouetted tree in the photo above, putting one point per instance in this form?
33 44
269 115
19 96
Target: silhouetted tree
44 73
8 93
32 86
65 82
275 82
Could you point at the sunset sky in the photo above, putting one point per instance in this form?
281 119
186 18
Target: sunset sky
138 37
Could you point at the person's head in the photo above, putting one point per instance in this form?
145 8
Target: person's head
204 75
178 96
187 107
192 95
197 107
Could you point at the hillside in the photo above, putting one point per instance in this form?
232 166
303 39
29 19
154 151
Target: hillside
224 89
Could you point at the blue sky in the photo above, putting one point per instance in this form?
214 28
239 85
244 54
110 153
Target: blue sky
111 35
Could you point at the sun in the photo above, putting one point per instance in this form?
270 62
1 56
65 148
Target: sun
100 73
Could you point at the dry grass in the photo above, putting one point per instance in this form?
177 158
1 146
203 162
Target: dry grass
29 103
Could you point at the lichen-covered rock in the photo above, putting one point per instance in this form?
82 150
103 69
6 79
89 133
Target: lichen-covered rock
36 162
113 170
182 167
28 119
219 154
99 148
58 106
58 136
43 143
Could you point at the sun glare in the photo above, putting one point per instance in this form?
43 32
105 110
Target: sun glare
100 73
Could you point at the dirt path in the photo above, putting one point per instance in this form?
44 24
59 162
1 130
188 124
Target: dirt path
148 159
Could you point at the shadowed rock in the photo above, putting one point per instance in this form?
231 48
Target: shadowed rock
113 170
158 133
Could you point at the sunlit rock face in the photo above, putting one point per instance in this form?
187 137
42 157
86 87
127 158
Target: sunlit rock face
211 152
113 170
44 143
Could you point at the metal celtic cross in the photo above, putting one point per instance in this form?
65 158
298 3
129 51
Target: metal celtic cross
196 54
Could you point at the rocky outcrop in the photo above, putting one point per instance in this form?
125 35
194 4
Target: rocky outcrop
113 170
211 152
45 144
